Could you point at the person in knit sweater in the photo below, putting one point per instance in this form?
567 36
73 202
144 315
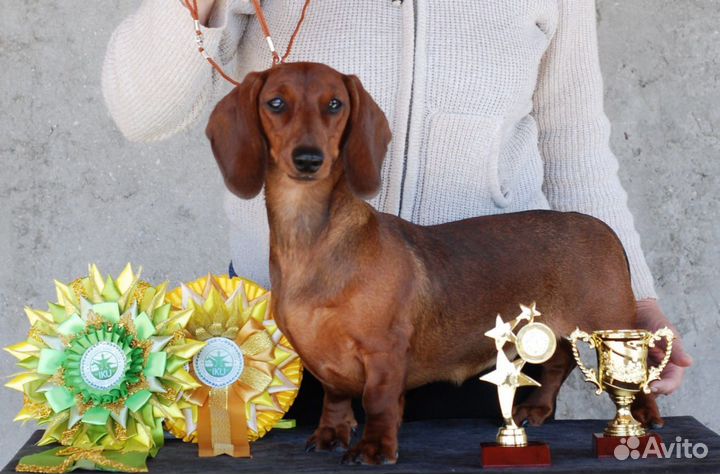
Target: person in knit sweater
495 106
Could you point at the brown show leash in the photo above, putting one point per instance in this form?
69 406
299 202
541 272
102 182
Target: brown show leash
260 14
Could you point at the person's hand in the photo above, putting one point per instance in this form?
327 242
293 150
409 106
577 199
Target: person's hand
204 8
651 317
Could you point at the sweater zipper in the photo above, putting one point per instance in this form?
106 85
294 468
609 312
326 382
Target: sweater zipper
410 108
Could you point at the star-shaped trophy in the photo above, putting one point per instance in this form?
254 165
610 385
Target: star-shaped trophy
535 343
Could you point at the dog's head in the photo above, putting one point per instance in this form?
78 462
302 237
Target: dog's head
301 118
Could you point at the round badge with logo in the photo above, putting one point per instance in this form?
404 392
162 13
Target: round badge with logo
220 363
103 365
536 343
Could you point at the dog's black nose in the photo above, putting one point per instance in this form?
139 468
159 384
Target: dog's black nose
307 160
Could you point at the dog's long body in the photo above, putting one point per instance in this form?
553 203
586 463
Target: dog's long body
428 294
376 305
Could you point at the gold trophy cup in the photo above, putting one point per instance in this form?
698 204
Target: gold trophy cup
622 371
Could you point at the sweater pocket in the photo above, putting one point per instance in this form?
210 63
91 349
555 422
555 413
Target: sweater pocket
517 169
458 176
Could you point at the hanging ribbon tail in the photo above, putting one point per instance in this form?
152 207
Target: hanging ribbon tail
62 459
238 426
204 435
222 425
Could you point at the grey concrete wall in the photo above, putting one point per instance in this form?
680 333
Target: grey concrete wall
661 64
73 191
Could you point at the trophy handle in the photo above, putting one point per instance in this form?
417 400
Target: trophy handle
589 373
654 372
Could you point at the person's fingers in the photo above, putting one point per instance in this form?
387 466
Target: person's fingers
671 379
651 317
655 355
678 355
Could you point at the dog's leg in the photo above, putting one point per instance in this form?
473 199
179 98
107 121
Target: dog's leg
337 424
541 403
383 400
645 410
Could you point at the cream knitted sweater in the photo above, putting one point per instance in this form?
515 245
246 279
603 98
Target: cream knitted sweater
495 105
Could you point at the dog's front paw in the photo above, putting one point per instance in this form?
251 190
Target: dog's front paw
535 414
372 452
330 438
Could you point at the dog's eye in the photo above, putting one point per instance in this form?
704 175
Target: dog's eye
334 105
276 104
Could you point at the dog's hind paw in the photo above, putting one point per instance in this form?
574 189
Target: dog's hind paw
370 452
328 438
534 414
645 410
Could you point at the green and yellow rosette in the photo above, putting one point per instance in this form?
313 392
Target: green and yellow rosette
103 367
250 373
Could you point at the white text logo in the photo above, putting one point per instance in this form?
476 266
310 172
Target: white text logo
680 449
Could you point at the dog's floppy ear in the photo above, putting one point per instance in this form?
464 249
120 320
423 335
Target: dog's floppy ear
237 140
367 135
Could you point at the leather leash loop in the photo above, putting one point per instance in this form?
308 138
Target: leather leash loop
260 14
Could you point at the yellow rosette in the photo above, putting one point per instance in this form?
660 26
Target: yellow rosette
249 372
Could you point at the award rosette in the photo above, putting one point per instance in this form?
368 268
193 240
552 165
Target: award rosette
250 373
103 367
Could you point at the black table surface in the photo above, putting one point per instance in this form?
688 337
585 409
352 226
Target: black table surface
438 446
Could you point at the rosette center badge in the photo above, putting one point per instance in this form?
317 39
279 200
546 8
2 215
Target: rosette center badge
220 363
103 365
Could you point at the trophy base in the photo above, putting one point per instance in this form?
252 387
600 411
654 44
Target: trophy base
534 454
604 446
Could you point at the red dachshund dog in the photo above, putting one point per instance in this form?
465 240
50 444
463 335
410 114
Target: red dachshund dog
376 305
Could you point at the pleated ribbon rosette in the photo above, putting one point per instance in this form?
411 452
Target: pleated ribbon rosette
102 369
249 372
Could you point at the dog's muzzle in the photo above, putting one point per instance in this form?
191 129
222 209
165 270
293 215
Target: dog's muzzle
307 160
